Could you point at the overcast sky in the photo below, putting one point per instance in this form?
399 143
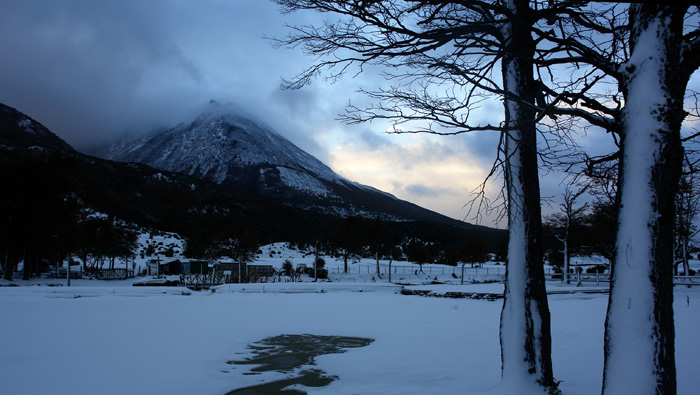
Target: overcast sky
92 71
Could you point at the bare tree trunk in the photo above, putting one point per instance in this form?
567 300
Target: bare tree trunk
570 215
565 277
639 328
26 268
379 274
686 263
8 267
391 258
525 321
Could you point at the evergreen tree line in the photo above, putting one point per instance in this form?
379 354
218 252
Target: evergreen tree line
58 205
417 242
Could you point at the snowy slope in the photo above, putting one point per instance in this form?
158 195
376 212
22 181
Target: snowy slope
217 145
19 130
230 149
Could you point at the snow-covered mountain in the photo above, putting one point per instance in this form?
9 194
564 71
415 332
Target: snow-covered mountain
20 131
230 149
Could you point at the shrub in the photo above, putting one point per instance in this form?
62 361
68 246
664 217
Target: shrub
287 267
322 273
320 263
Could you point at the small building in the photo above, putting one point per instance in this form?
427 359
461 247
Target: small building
231 271
158 267
234 268
194 267
262 270
244 271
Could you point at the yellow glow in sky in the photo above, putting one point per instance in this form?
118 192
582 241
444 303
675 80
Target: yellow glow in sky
426 171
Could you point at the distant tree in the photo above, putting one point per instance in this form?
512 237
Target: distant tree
565 221
239 246
500 250
287 267
601 227
38 213
319 268
554 257
475 252
687 210
349 238
418 253
377 238
101 240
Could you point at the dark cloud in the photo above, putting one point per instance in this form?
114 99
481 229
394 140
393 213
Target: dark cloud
91 70
94 70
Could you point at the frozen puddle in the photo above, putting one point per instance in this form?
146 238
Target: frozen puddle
294 355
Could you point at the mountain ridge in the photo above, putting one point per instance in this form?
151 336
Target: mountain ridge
21 131
51 190
231 149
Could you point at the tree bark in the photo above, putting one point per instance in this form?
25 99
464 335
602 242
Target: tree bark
8 267
379 273
26 269
525 320
639 328
567 264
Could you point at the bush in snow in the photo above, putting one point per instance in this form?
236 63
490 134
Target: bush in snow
320 263
287 267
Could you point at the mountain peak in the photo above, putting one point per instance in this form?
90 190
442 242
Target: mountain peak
222 145
228 147
216 110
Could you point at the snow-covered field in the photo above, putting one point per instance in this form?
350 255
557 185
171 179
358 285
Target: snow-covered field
112 338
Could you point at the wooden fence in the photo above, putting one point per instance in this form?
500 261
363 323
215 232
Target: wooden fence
113 274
